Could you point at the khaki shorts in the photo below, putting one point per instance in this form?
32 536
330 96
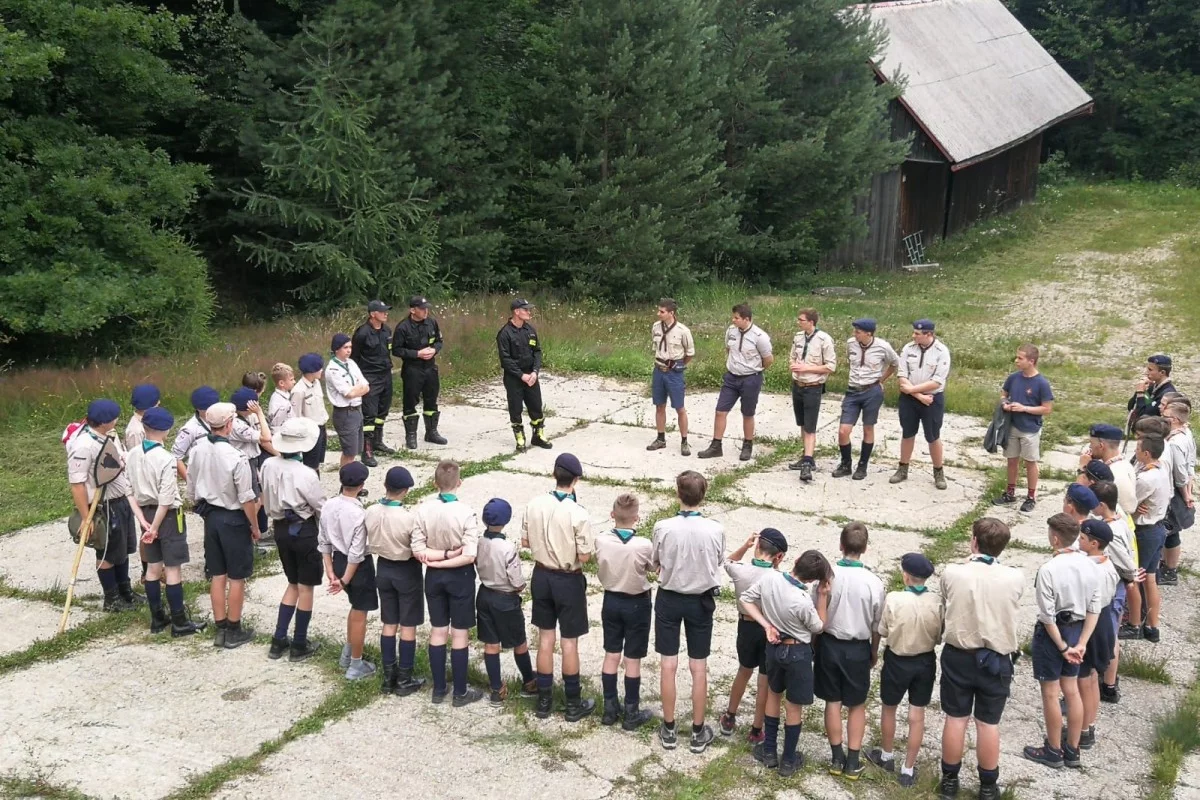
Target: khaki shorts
1025 446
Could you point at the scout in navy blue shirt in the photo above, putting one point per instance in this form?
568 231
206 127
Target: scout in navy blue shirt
1027 397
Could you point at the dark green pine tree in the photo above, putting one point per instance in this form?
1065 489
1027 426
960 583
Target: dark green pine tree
804 127
622 197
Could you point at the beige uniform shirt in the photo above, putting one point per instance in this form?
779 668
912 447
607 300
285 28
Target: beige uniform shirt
1182 445
1108 579
1154 489
390 528
982 605
1126 480
687 554
82 451
309 402
622 566
672 345
556 531
153 477
499 564
744 575
912 622
919 366
1068 583
219 474
343 529
817 349
446 525
867 364
1120 550
745 350
288 485
279 409
341 378
135 433
191 432
786 605
245 436
855 603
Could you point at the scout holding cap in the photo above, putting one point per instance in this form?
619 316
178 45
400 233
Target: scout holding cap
623 560
308 401
521 363
769 547
143 397
556 533
872 361
390 526
116 503
195 428
923 369
1028 398
220 485
345 385
417 342
912 625
292 497
1149 390
1094 538
369 349
498 604
342 540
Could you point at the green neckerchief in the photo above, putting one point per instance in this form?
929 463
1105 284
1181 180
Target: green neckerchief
761 562
624 534
447 498
202 421
391 503
686 514
148 445
564 495
798 584
916 589
989 560
293 456
88 430
846 562
217 439
493 534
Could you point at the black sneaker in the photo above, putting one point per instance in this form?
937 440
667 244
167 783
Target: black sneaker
728 722
667 737
612 711
908 781
747 451
471 695
1110 694
1006 499
841 471
1128 631
437 698
797 464
1028 505
788 766
1087 738
278 648
860 472
657 444
990 791
498 696
713 450
236 637
1046 755
806 471
875 756
837 766
1168 577
948 787
702 739
1150 634
303 651
768 758
529 690
853 772
578 708
635 718
1071 757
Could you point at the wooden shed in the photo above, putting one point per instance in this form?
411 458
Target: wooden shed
979 92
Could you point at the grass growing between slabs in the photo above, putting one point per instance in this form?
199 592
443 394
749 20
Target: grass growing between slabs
1176 735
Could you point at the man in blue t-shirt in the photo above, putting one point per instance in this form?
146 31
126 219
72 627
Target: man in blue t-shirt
1027 397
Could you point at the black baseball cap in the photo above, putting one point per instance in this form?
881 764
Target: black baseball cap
418 301
377 305
521 302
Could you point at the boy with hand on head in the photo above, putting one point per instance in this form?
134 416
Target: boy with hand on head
848 649
390 528
769 547
279 408
1068 598
783 605
498 604
622 561
1154 491
308 401
144 397
1121 556
1094 538
446 540
912 624
196 427
687 553
343 545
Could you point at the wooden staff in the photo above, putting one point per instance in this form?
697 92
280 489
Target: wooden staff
85 534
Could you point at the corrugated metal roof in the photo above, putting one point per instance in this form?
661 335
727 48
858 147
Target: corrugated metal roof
977 80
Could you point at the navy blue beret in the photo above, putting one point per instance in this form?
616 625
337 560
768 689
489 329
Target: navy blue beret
144 396
204 397
865 324
570 463
917 565
1109 433
497 512
354 474
339 341
925 325
311 362
103 411
1097 470
1098 529
1159 359
775 538
398 478
1082 496
158 419
243 397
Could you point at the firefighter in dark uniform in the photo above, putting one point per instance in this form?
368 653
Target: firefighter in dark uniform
369 349
521 361
417 342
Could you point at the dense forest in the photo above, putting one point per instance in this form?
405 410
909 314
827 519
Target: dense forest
168 163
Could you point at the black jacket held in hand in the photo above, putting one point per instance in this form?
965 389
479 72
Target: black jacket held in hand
520 349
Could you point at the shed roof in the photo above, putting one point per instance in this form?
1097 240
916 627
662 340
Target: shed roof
977 80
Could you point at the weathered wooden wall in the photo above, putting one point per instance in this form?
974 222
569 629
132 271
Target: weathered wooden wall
994 186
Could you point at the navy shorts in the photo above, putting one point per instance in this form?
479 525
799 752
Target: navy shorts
298 555
752 646
559 600
451 597
867 403
401 592
967 686
694 612
171 547
1048 663
843 670
1101 646
501 620
361 591
746 388
667 384
790 672
915 414
228 548
626 622
911 675
123 536
1150 541
806 405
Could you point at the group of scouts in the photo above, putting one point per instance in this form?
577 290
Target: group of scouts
811 630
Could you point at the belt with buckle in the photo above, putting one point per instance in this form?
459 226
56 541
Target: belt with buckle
559 571
789 641
862 388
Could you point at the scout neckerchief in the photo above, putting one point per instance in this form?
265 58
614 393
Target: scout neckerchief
564 495
862 351
985 559
346 367
203 423
217 439
391 503
624 534
293 457
1063 551
808 338
446 497
686 514
95 436
847 562
1100 559
798 584
666 329
493 534
761 562
921 363
148 445
917 590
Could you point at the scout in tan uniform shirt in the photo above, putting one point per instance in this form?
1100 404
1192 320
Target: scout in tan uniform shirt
292 498
342 540
673 351
923 369
447 541
143 398
498 604
308 401
912 625
982 601
279 407
556 533
769 547
812 360
195 428
622 561
871 361
747 355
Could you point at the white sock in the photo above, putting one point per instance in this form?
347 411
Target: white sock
907 770
887 755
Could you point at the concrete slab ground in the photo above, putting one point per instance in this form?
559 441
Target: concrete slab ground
29 621
472 433
584 397
102 730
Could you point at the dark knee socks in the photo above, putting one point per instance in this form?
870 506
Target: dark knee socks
283 620
492 662
525 665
